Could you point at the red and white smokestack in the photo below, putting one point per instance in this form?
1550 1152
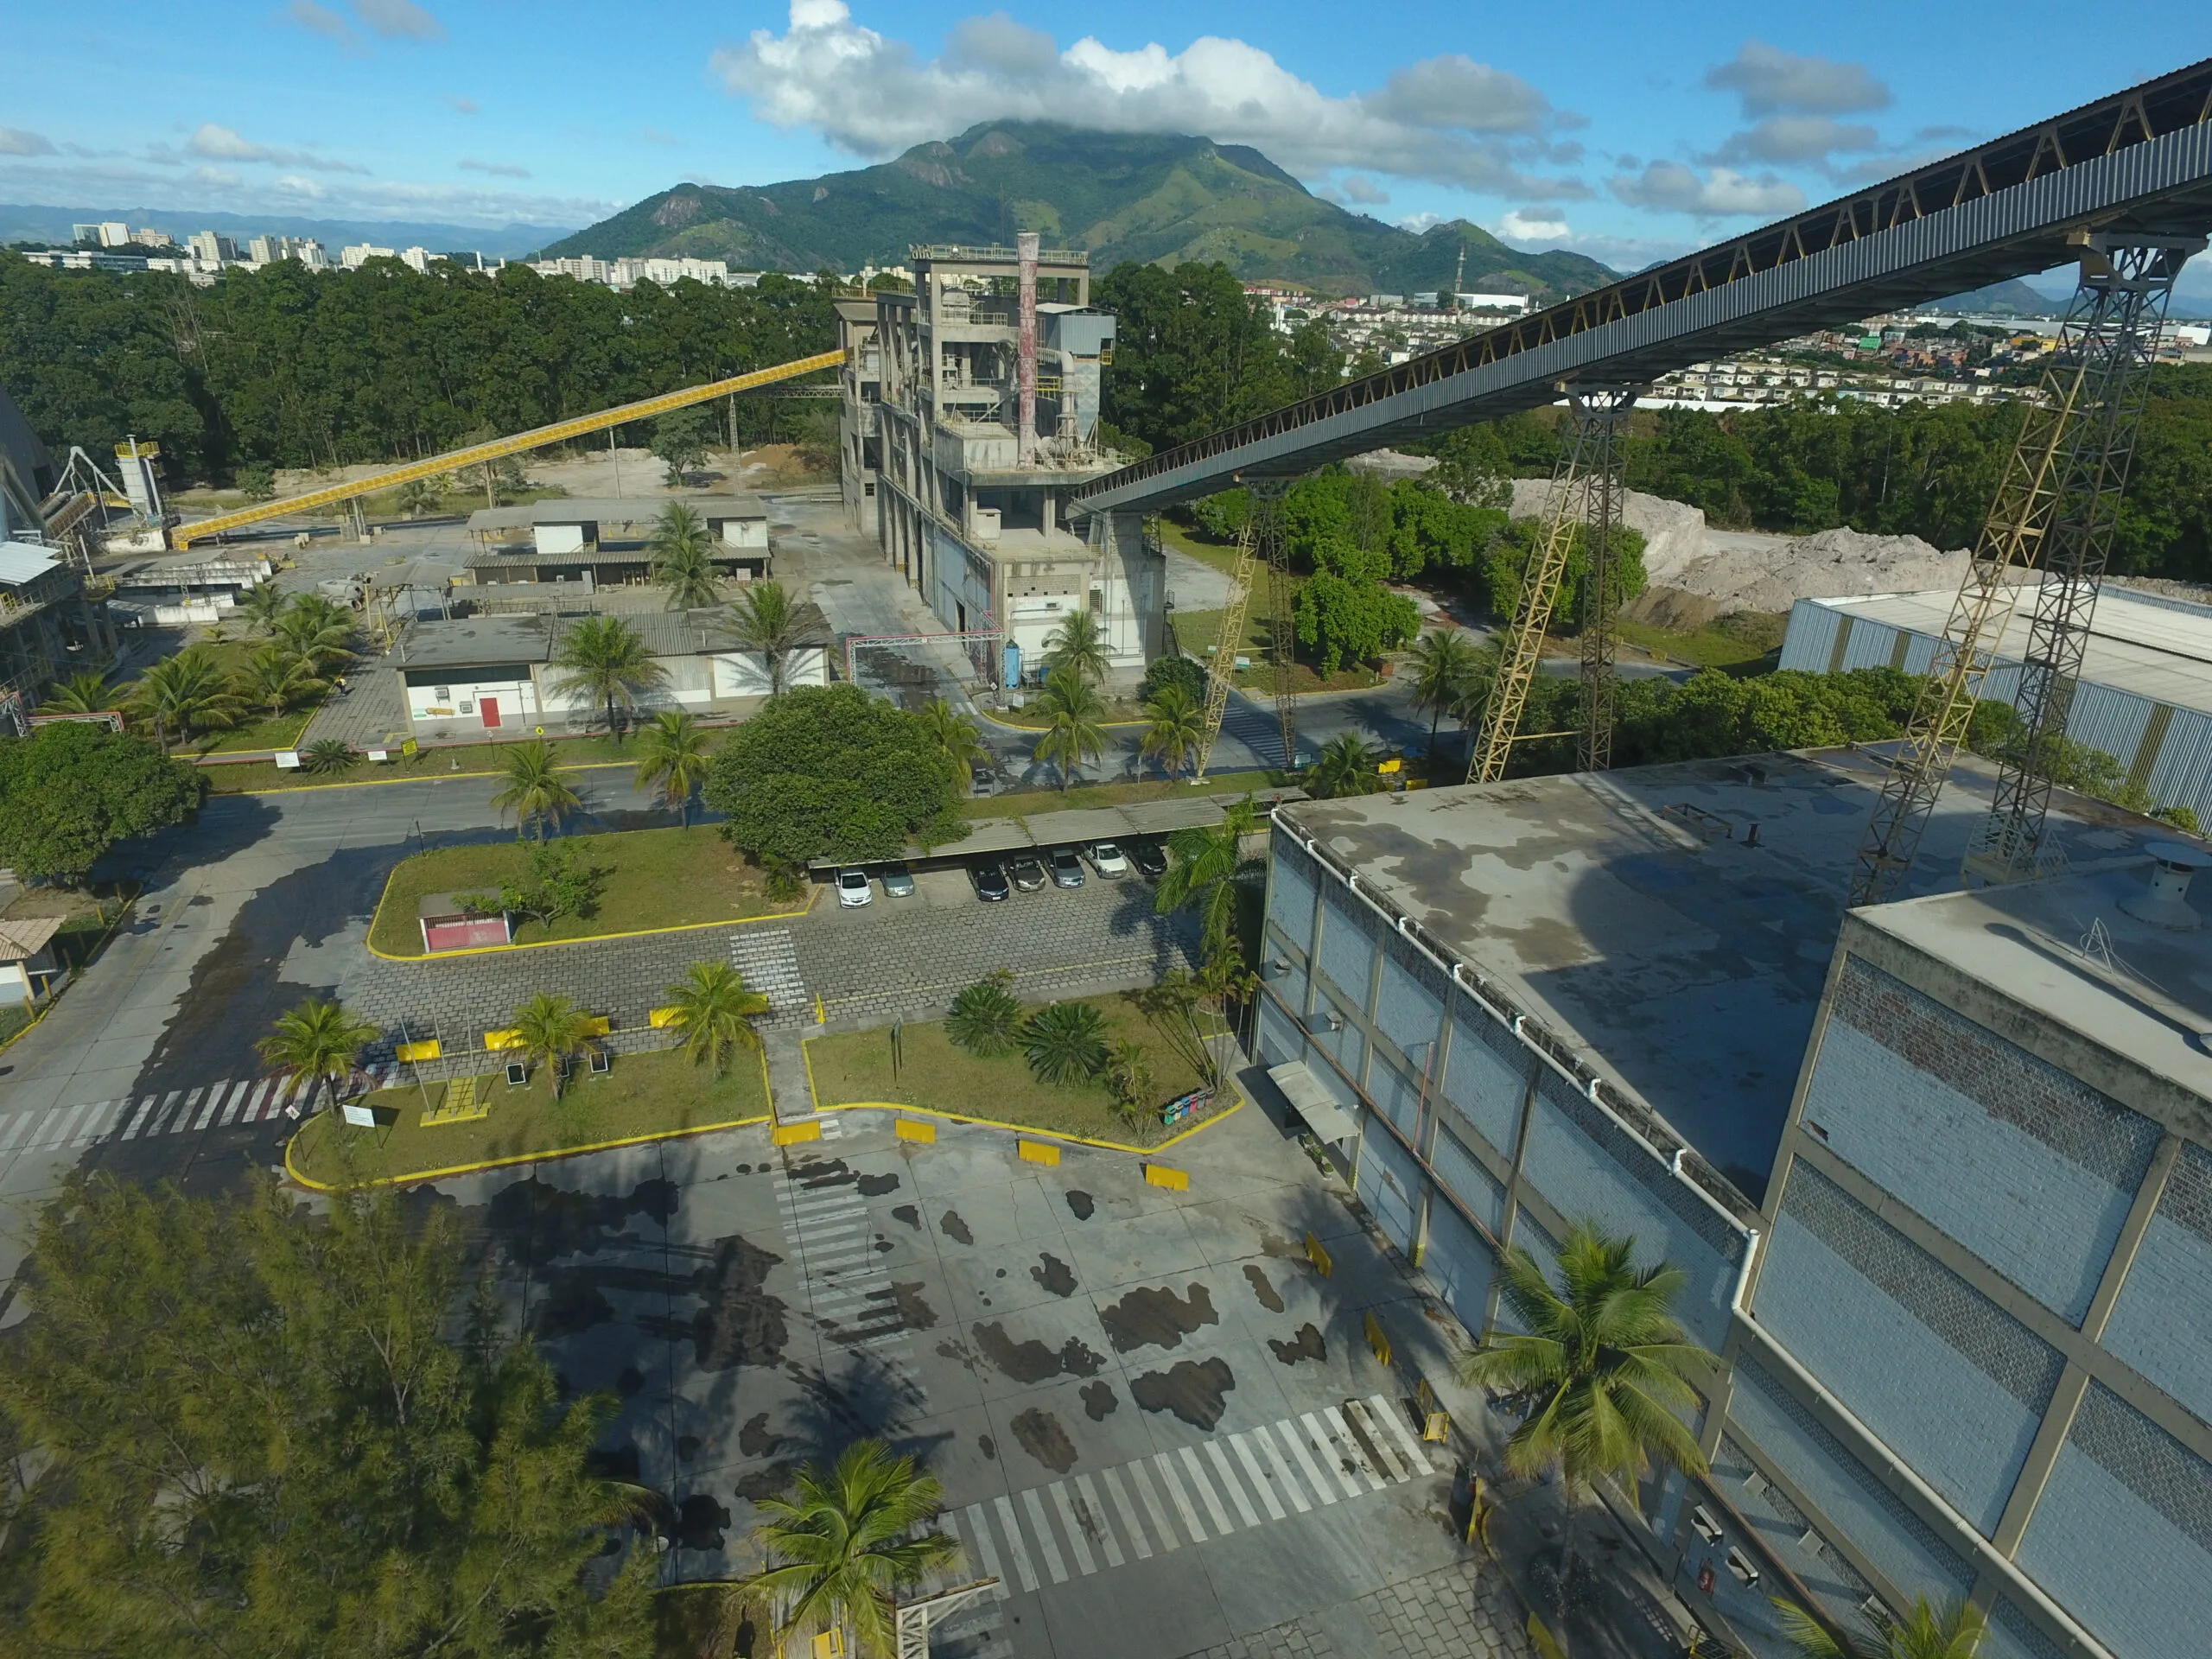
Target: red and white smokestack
1026 253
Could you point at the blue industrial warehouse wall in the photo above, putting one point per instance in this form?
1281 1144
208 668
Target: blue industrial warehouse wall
2172 1271
1942 1374
1347 944
1915 1096
2123 1536
1485 1079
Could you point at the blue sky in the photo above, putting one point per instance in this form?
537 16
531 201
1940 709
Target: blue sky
1628 132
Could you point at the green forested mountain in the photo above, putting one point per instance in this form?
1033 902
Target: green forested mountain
1150 198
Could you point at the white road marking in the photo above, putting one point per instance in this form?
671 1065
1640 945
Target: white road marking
1045 1542
1095 1513
1229 1480
1182 1499
1068 1524
1012 1530
1261 1482
1206 1492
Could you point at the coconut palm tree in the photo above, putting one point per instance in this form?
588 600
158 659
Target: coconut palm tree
606 658
764 618
1204 867
1079 643
1602 1372
276 679
843 1544
536 793
682 561
672 758
316 629
953 736
1073 711
1443 659
184 693
715 1011
552 1030
1345 766
1954 1631
1175 726
83 693
317 1040
985 1018
1065 1043
263 604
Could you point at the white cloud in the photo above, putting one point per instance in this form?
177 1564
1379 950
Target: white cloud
14 140
395 20
1670 187
219 143
497 170
320 20
1537 226
1365 191
1446 119
218 178
1421 223
1796 139
1771 81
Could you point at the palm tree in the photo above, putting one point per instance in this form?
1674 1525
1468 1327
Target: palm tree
275 677
1954 1631
554 1031
1442 661
606 659
1204 867
261 604
317 1040
1065 1043
764 619
985 1018
1175 729
329 754
1128 1075
1344 766
536 793
712 1009
316 630
1072 710
682 561
673 757
844 1542
1602 1371
1079 643
185 694
953 736
83 693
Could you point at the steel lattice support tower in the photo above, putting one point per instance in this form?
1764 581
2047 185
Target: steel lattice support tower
2125 289
1221 672
1601 417
1282 627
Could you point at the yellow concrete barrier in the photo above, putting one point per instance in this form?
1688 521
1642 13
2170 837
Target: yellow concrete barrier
497 1040
1378 1340
598 1025
790 1134
1319 1257
909 1128
662 1017
1175 1180
1039 1152
429 1049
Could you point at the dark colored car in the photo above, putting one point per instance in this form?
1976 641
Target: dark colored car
1028 872
898 881
1150 858
1067 869
990 877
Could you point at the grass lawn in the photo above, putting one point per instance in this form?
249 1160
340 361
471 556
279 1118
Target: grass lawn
1727 642
1197 631
656 878
855 1066
1222 555
655 1094
1028 803
14 1016
1119 712
236 777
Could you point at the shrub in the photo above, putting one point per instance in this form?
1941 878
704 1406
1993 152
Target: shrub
1066 1042
327 754
985 1018
1179 672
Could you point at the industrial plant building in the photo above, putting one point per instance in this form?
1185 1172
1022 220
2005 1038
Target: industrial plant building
970 417
599 543
50 625
1939 1171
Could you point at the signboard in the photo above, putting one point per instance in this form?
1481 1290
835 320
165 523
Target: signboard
410 747
358 1114
288 760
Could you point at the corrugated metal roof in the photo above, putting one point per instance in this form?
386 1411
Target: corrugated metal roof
20 561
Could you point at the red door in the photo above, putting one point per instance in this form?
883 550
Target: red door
490 707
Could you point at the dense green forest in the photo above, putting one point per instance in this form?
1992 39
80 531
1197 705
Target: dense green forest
290 367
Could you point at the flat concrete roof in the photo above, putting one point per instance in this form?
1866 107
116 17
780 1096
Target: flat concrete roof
473 642
1036 831
1630 911
612 509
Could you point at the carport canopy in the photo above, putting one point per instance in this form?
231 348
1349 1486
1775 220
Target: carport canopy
1313 1102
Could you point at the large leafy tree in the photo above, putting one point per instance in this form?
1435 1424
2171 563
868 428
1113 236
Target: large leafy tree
954 735
673 758
316 630
1205 866
603 658
680 441
534 790
318 1041
248 1429
1074 731
1444 660
71 790
829 772
277 679
85 692
715 1011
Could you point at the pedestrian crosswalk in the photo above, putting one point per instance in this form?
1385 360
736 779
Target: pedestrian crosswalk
850 1293
1155 1505
175 1111
769 961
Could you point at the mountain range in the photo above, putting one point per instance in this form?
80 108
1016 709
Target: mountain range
1151 198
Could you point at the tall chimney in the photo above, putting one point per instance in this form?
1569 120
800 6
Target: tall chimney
1025 250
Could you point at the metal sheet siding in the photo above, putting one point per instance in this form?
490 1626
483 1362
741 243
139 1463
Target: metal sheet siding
2182 776
2109 720
1810 637
1389 1186
1458 1259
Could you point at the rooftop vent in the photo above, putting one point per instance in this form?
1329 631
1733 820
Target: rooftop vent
2174 865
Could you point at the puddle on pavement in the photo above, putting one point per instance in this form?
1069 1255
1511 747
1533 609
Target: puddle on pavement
754 1440
1040 1434
737 1323
631 1382
1269 1297
956 1229
988 1446
916 1314
701 1523
874 1186
1032 1361
817 1173
1156 1316
907 1213
1274 1243
1192 1389
1054 1276
1307 1344
1099 1401
1080 1204
770 1481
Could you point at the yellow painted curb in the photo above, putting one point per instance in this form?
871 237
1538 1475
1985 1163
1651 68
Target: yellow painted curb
47 1008
907 1129
1037 1151
790 1134
1175 1180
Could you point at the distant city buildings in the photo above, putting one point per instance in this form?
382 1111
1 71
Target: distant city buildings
628 273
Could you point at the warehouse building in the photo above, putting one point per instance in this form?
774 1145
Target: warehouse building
604 542
1939 1174
2145 690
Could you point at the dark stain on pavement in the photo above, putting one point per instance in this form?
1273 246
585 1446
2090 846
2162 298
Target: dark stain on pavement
957 1229
907 1213
631 1382
754 1440
1099 1401
737 1323
687 1447
1269 1297
1155 1315
915 1313
701 1523
1307 1344
572 1303
1032 1361
771 1481
1041 1435
1192 1389
816 1173
1080 1202
988 1448
1054 1275
874 1186
540 1224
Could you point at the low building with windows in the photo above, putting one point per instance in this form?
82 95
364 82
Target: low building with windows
604 542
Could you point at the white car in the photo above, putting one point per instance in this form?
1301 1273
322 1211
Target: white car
1107 859
853 890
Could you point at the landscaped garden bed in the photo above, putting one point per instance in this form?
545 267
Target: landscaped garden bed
240 777
643 1096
